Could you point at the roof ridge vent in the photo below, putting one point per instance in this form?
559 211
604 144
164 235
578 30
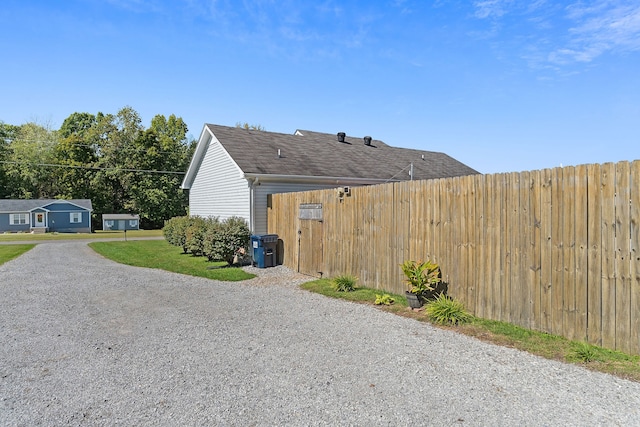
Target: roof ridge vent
367 140
341 136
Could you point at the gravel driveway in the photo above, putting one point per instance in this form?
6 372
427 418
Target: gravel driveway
85 341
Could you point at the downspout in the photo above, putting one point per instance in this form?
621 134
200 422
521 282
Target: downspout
252 198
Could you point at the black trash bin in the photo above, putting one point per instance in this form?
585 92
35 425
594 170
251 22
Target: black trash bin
264 250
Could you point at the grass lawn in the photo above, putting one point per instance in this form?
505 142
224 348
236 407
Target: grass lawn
505 334
16 237
9 252
161 255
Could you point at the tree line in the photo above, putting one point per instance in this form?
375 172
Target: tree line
111 159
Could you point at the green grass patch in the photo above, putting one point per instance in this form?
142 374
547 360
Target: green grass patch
505 334
159 254
9 252
359 295
18 237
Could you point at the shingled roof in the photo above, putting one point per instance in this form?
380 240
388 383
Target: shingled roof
315 154
19 205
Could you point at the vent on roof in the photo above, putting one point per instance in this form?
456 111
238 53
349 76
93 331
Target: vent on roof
341 136
367 140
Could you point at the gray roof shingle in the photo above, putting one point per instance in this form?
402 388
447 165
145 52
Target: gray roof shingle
308 153
19 205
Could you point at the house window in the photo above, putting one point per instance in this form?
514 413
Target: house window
18 219
75 217
133 223
108 223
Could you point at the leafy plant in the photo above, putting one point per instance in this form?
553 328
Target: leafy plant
583 352
194 235
446 310
344 283
227 238
384 299
175 231
421 276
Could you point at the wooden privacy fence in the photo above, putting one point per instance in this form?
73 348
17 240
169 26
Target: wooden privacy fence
555 250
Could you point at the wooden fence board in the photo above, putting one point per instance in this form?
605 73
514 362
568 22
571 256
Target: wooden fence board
622 265
546 252
535 278
491 231
505 270
557 276
467 217
608 256
581 252
498 259
594 229
515 250
480 253
634 267
526 244
568 252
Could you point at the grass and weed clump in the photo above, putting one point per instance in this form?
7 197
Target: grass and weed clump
344 283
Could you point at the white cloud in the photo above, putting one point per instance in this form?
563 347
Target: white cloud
491 8
559 36
598 28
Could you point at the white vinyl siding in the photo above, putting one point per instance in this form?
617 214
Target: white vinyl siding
219 188
260 202
19 219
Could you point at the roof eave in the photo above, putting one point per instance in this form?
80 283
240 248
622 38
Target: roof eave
196 160
310 179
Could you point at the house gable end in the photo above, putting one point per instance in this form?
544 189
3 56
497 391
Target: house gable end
219 188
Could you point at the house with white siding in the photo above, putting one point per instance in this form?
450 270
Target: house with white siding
233 170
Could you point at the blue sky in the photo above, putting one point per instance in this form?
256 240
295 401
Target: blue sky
501 85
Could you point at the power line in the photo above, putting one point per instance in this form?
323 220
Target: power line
53 143
91 167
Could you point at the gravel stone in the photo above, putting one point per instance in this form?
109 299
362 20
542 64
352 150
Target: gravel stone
86 341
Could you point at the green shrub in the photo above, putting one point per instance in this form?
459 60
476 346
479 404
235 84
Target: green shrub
445 310
175 231
194 235
212 229
384 299
225 239
344 283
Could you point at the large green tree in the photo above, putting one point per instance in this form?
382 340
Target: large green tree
77 155
108 158
7 134
30 155
157 153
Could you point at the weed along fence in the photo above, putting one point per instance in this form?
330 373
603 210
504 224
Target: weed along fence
556 250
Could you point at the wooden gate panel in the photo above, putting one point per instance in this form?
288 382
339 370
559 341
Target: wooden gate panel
310 256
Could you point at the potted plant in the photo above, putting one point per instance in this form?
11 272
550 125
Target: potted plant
421 278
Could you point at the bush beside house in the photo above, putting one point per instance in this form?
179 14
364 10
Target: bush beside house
210 237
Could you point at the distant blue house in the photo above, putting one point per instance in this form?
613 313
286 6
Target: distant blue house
40 216
120 222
